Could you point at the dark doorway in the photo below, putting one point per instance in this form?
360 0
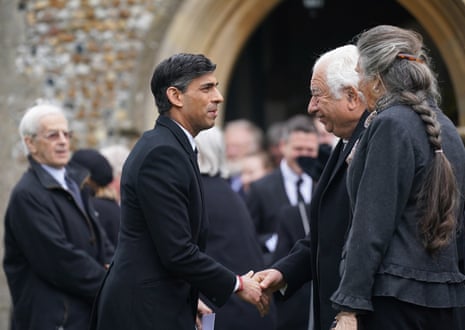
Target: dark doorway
270 80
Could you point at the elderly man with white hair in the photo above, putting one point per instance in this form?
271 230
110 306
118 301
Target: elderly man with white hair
56 254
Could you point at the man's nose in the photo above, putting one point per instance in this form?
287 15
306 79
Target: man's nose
219 97
312 108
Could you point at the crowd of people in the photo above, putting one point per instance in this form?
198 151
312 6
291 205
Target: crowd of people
344 217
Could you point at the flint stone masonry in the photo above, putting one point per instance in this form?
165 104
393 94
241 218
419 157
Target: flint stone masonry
91 56
85 54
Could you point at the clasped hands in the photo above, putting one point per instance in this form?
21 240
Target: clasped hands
264 283
258 288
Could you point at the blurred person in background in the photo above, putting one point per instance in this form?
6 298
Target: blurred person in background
285 185
242 137
56 253
116 155
254 167
230 240
103 193
274 134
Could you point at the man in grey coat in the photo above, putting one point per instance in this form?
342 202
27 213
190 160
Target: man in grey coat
55 251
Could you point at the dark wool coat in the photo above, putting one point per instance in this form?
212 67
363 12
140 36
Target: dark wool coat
54 253
109 214
159 265
383 180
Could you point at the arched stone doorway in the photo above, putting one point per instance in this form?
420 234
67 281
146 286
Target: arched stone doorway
219 29
445 23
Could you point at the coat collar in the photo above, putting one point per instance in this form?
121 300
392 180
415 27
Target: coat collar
177 132
77 174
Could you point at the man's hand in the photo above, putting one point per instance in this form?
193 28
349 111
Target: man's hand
270 280
202 309
252 293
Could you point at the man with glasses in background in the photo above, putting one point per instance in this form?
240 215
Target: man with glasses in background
56 254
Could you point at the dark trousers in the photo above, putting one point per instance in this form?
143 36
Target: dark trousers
392 314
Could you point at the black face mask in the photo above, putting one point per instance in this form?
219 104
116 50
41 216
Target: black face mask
314 166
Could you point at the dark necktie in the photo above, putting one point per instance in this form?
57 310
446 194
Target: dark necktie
300 198
74 190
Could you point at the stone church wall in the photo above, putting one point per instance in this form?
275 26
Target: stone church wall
90 56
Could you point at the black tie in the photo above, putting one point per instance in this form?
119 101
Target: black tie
300 198
341 152
74 190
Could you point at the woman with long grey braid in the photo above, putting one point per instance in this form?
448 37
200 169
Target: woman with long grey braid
406 182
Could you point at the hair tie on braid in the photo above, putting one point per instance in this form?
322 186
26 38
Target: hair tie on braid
438 151
410 58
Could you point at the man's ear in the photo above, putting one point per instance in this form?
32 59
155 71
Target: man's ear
30 144
175 96
352 96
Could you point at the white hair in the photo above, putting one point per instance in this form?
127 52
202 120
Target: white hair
30 123
339 65
211 157
116 156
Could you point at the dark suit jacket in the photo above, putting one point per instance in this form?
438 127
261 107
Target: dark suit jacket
159 265
109 215
330 215
54 253
265 197
265 200
231 241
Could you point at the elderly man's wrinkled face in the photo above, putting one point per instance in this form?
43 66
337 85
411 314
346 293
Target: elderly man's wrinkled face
51 145
335 113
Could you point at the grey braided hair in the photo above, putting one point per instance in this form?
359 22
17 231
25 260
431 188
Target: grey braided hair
400 60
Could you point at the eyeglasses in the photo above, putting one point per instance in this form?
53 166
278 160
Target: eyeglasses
55 135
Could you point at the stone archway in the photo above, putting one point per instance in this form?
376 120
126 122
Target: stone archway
217 29
220 28
445 23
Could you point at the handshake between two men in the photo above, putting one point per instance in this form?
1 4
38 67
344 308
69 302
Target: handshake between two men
256 289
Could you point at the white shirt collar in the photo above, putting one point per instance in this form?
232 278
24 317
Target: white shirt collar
57 173
288 173
290 179
189 136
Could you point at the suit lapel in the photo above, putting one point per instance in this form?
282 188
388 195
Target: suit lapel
185 144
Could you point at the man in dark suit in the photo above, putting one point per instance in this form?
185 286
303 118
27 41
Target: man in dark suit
339 105
55 250
268 195
160 265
